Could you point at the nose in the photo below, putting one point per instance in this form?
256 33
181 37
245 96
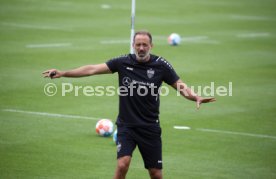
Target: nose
141 47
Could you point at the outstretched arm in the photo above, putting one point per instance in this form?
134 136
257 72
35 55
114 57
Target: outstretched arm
185 91
87 70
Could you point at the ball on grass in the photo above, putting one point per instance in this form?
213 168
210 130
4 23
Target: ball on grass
174 39
104 127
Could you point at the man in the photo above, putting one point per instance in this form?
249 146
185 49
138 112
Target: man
138 121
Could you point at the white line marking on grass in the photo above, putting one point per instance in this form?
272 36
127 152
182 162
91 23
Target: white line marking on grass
195 38
253 35
50 114
226 132
55 45
30 26
182 127
114 41
200 39
236 133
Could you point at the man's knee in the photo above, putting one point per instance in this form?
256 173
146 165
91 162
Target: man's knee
123 163
155 173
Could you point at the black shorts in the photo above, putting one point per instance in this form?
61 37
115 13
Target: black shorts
148 141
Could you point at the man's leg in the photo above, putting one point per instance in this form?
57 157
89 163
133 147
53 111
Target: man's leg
150 146
155 173
122 167
125 148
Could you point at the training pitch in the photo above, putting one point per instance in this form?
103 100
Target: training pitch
223 43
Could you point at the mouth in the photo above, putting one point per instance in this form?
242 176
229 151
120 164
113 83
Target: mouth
142 54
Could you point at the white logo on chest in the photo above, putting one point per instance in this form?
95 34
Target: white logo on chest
150 73
126 81
129 68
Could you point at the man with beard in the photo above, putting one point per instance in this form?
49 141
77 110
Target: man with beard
140 76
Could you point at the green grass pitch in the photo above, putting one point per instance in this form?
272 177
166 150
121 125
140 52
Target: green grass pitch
222 41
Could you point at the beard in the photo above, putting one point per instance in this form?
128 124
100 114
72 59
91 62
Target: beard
142 56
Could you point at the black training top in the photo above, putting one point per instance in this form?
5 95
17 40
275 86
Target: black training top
139 85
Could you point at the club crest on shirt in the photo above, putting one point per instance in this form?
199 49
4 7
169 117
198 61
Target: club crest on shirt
150 73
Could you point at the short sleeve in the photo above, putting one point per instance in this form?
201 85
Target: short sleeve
113 64
169 76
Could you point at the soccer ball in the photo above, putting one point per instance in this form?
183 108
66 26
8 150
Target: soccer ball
115 136
104 127
174 39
